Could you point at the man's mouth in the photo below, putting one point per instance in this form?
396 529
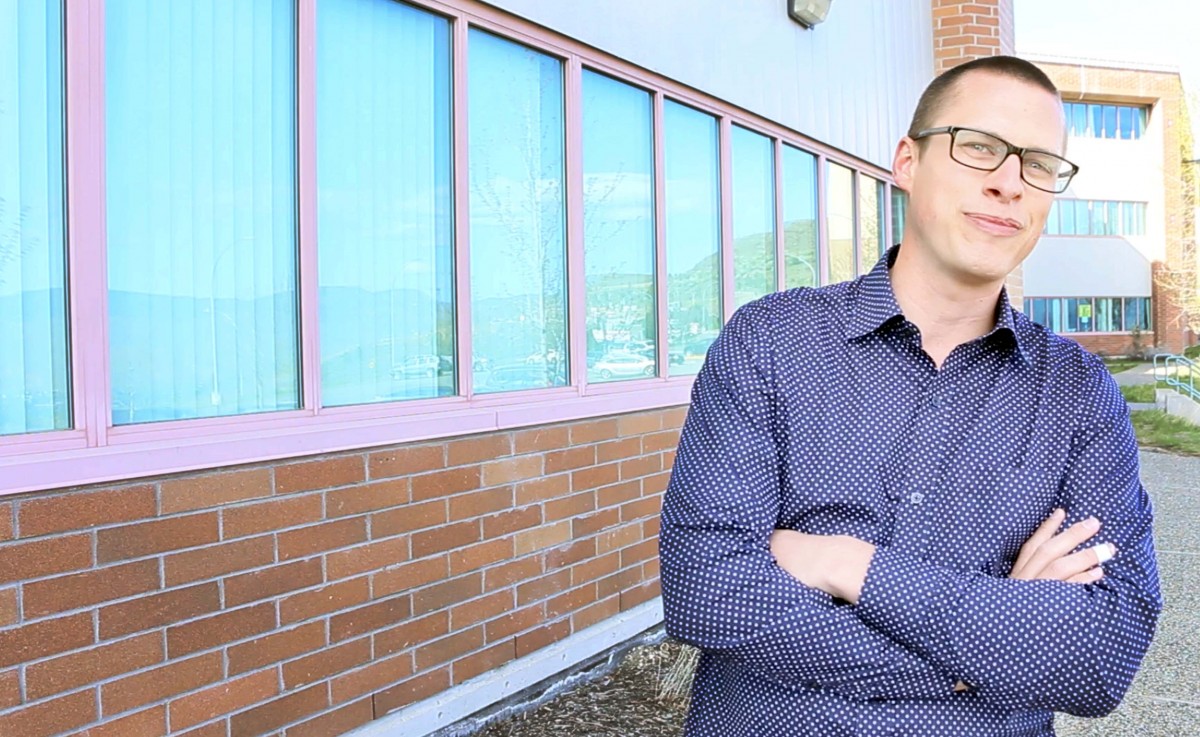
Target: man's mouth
994 225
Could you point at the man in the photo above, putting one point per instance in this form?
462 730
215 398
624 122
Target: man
893 496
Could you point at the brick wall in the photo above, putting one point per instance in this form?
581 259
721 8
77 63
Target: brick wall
1112 344
309 597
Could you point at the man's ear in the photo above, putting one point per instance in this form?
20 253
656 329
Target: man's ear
904 163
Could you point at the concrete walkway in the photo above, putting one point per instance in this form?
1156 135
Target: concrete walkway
1165 697
1143 373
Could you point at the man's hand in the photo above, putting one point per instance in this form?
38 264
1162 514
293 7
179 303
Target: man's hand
1047 553
835 564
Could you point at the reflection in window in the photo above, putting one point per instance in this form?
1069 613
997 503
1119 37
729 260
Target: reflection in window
384 203
518 244
34 389
618 229
201 192
840 222
693 231
1090 314
899 207
801 268
1091 120
1096 217
870 209
753 215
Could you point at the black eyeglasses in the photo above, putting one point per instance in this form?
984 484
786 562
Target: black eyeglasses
978 150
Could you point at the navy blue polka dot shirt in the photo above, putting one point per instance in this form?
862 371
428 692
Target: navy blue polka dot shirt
817 410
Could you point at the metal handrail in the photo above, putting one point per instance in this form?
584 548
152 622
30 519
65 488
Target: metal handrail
1167 370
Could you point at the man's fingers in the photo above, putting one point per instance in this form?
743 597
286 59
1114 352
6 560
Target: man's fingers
1057 548
1044 532
1091 575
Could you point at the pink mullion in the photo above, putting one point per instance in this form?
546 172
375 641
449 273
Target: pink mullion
576 269
462 215
780 257
306 134
822 220
726 176
662 337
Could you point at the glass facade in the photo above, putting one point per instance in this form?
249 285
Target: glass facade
1091 314
1091 120
1096 217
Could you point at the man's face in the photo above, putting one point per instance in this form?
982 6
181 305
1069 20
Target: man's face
974 227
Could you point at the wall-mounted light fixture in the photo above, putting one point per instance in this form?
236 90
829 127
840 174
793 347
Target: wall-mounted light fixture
808 13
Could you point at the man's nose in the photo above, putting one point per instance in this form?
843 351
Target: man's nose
1005 182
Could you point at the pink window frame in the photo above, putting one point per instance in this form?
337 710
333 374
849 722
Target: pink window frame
96 452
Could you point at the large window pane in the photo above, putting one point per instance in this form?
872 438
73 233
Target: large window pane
1051 227
870 212
801 268
899 203
383 202
840 222
1096 120
1125 121
1097 220
1104 315
1039 311
618 229
1082 218
1078 119
693 231
753 216
201 191
518 244
1110 121
34 388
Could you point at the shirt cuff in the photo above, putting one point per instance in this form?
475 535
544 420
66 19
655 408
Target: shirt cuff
909 600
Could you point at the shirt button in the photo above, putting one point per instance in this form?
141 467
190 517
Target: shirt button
916 497
935 401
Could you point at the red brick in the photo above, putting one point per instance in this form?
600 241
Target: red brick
366 498
222 629
514 622
542 636
63 593
336 722
322 538
639 424
271 582
570 601
277 646
412 690
651 569
447 593
371 557
428 542
328 662
149 723
63 714
409 518
593 431
665 440
616 450
541 439
479 503
157 610
448 648
590 478
159 536
213 729
409 576
656 483
477 610
668 459
618 537
445 483
44 638
495 525
274 714
570 506
509 573
223 698
477 449
251 519
412 632
595 613
650 506
214 490
368 618
565 555
89 666
570 458
483 661
508 470
9 611
596 568
639 595
635 554
6 521
325 600
379 674
592 523
618 493
218 560
481 555
37 558
10 689
407 461
674 418
650 527
538 538
644 466
174 678
322 474
69 512
539 490
618 582
540 588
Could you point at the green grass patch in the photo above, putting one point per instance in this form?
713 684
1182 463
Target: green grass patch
1139 393
1193 352
1117 365
1158 429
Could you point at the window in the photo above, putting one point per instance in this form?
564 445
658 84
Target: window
800 237
693 232
899 207
518 238
201 191
34 383
1096 217
840 222
383 137
871 218
753 215
1090 314
618 229
1093 120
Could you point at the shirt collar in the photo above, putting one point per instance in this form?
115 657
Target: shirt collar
872 307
